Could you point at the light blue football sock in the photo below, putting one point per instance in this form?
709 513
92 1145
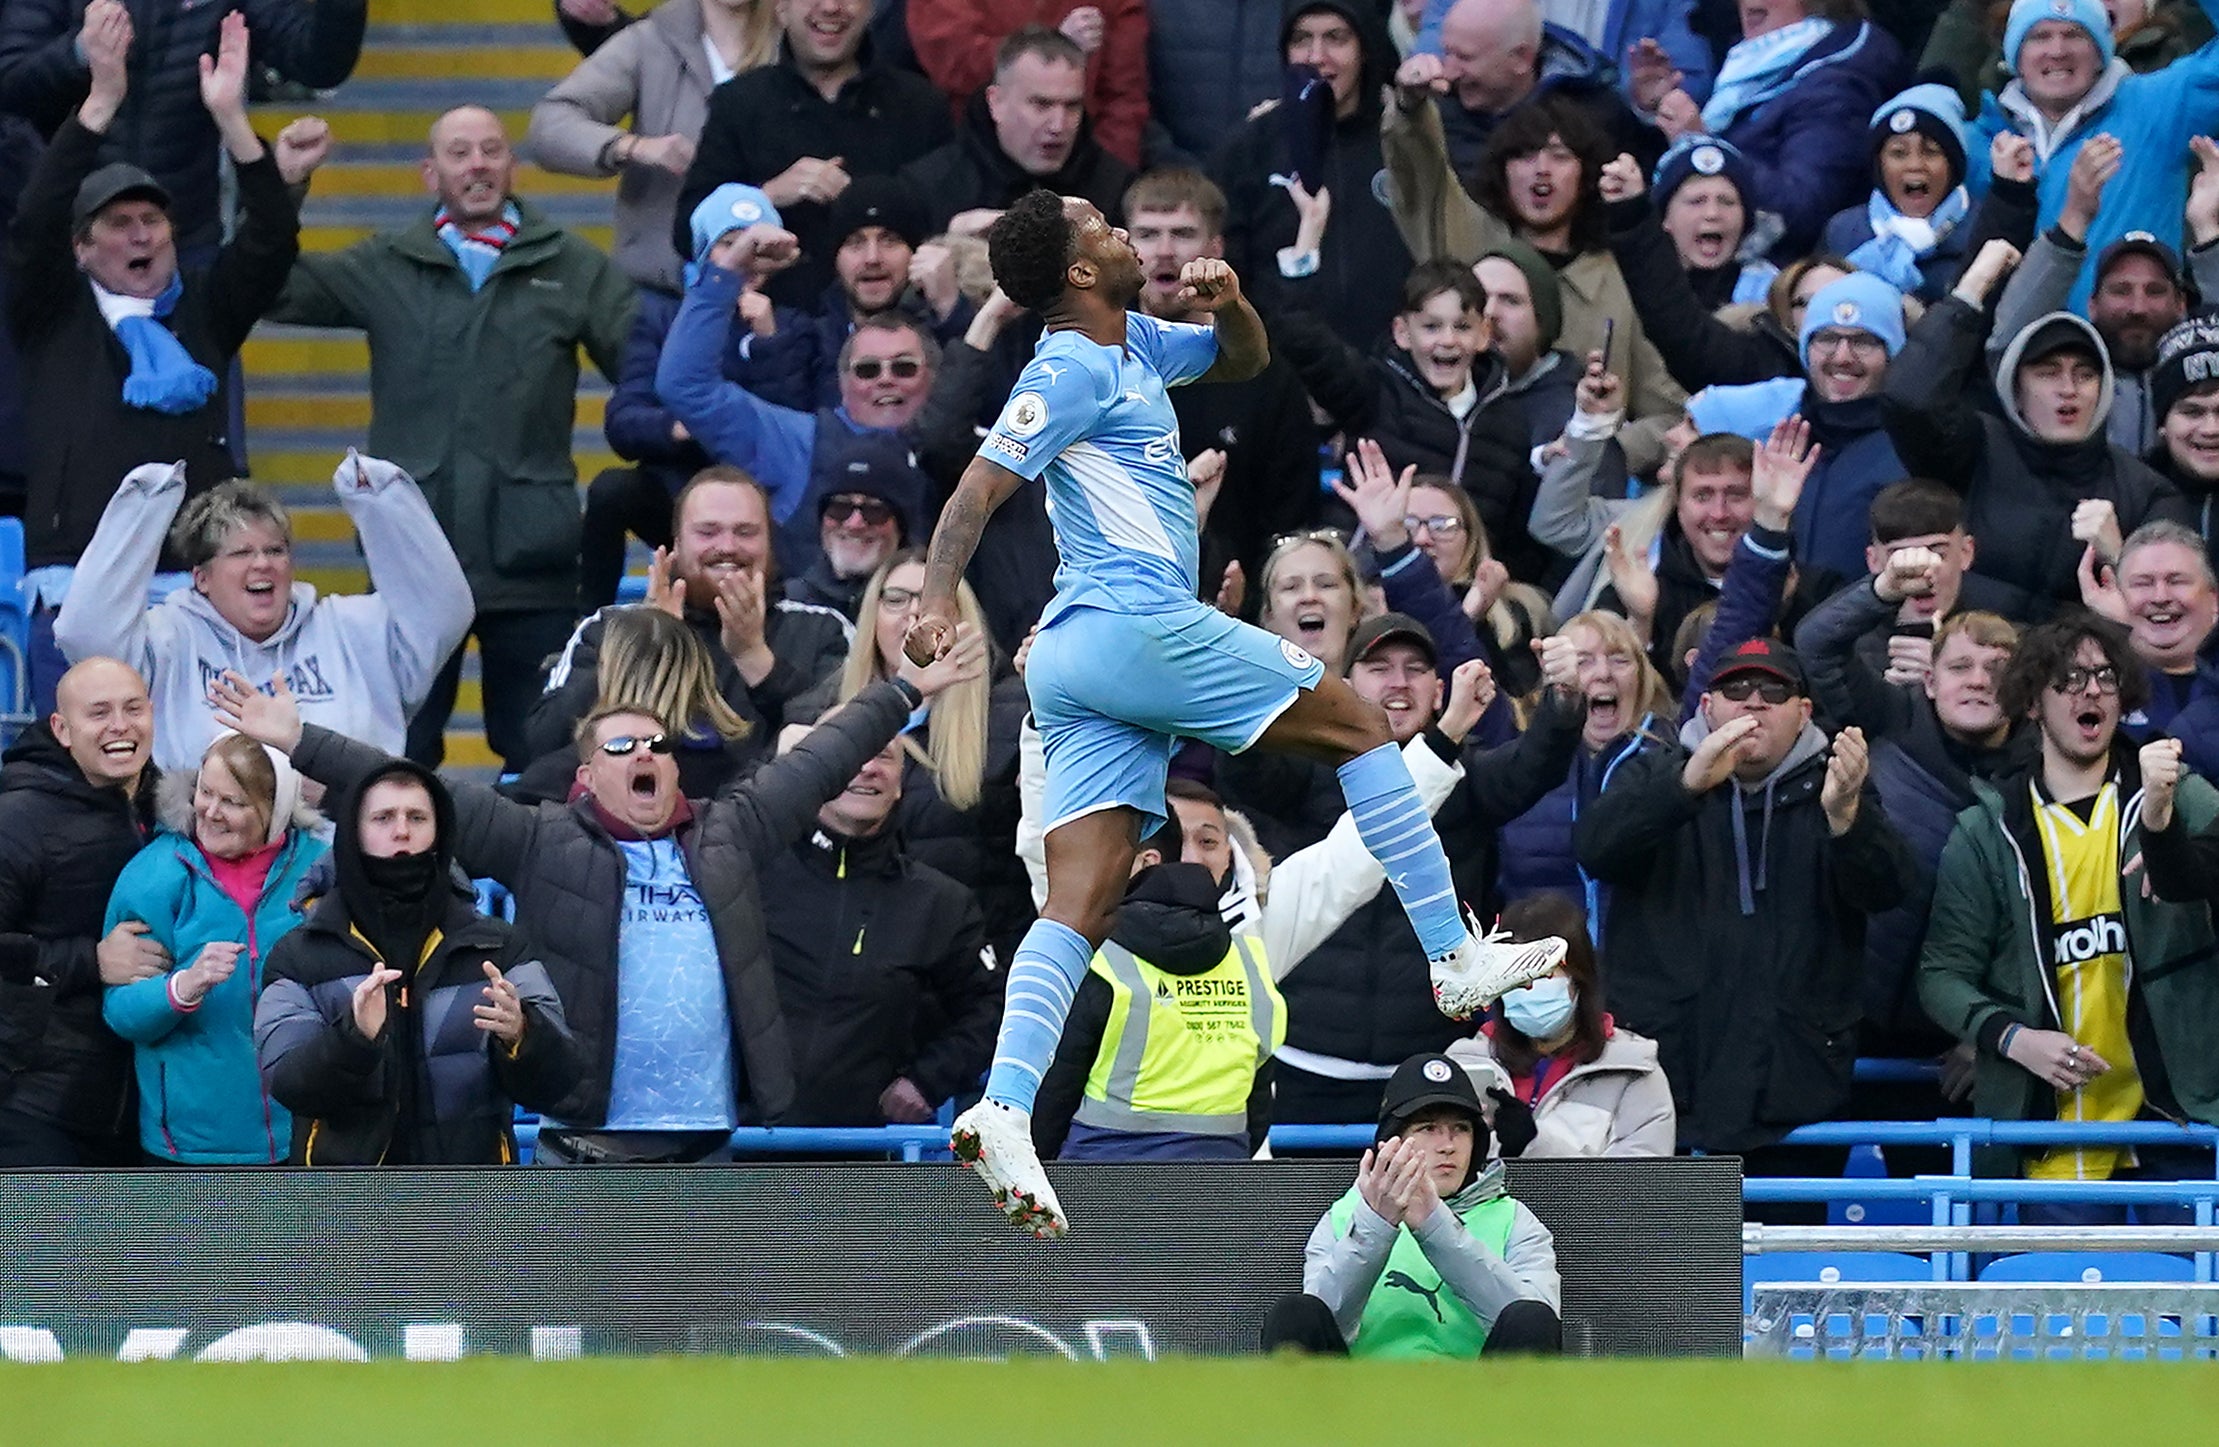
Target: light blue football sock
1392 821
1042 979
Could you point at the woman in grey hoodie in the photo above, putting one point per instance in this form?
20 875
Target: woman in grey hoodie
359 663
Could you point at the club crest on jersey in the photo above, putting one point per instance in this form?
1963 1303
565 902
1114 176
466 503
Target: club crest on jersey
1027 414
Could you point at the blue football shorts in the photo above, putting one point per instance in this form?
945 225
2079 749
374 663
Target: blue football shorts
1112 693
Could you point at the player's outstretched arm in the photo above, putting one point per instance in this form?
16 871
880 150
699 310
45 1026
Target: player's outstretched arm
985 486
1212 286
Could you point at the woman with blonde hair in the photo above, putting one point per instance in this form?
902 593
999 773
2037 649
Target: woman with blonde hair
1630 708
1313 595
652 660
215 890
959 805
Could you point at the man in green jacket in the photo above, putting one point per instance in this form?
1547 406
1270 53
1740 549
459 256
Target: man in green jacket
1425 1256
475 315
2071 939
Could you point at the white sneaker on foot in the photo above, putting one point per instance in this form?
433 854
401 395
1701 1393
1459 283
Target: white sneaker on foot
995 1140
1487 967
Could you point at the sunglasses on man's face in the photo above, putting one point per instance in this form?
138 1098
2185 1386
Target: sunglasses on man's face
867 369
875 512
623 746
1772 690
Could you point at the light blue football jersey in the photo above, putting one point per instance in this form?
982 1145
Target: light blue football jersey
1097 423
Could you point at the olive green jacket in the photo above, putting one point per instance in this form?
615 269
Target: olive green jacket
474 394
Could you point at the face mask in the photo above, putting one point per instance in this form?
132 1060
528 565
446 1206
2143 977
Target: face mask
1541 1011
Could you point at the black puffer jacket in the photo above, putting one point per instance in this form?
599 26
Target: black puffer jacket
1383 398
2019 492
568 878
1362 261
62 844
432 1089
972 172
882 973
1754 1006
163 125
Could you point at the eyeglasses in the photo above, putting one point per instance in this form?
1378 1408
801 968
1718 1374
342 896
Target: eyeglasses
1863 344
2076 680
897 600
1446 525
1774 691
867 369
875 512
623 746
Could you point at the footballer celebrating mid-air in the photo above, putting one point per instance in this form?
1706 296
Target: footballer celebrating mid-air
1128 660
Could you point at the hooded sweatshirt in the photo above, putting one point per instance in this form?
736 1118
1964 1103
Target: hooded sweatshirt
2019 491
358 664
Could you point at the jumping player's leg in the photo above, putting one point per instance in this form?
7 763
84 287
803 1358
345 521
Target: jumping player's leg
1104 775
1330 723
1089 861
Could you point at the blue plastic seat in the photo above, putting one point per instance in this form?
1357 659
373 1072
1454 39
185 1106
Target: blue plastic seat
15 631
2090 1266
1828 1267
495 900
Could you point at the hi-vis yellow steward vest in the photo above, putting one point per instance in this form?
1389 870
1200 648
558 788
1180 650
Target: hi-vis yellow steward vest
1180 1052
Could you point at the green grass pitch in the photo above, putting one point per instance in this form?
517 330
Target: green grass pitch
706 1402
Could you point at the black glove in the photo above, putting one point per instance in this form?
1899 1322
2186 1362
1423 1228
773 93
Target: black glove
1514 1127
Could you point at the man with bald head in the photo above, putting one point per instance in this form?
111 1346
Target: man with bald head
475 315
1613 28
76 803
1495 55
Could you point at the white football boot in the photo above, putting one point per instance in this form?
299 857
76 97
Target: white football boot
1487 967
995 1140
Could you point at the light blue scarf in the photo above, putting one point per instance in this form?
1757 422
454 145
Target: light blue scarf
1900 242
1757 70
164 377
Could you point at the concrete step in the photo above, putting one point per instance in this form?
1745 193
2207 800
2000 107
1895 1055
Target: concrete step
441 14
473 55
346 409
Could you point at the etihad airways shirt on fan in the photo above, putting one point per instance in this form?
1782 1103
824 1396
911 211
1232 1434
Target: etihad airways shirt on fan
1095 421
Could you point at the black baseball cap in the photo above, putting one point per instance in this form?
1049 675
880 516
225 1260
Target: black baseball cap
1430 1080
1762 655
2143 243
1392 628
116 181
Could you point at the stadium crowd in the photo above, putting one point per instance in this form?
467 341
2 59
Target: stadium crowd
1760 459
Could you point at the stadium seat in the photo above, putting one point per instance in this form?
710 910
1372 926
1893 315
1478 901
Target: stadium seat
495 900
15 632
632 588
1828 1267
2090 1267
1867 1163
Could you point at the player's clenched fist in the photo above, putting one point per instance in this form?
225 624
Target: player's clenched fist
1206 284
929 637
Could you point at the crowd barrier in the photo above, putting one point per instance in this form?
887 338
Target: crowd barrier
786 1258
